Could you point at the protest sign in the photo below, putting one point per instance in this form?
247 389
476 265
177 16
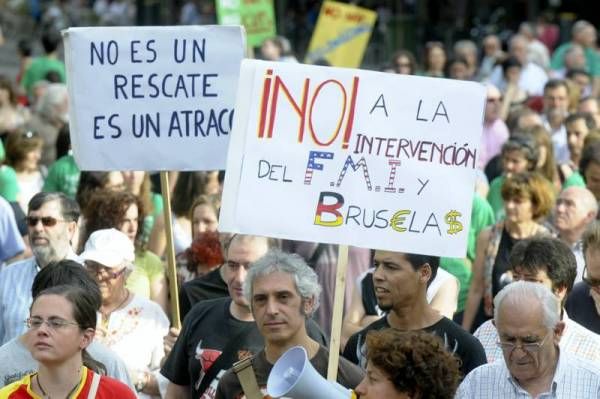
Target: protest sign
257 17
353 157
341 34
152 98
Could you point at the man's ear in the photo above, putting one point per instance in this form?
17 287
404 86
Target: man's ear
561 293
425 273
308 306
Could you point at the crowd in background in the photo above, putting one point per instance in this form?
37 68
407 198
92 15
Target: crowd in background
538 175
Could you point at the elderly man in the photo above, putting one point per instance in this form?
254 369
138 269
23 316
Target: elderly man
52 223
400 282
533 77
495 132
283 291
527 316
548 261
576 207
216 333
583 304
556 109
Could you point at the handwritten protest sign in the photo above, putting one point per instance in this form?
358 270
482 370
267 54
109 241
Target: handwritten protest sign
152 98
341 34
353 157
257 17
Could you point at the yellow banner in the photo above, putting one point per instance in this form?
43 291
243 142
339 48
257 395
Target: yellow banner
341 34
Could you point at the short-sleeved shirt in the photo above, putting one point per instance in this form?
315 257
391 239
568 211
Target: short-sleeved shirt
466 347
349 375
592 59
108 388
148 269
9 186
39 68
63 176
210 341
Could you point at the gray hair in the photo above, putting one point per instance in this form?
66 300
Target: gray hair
305 278
525 293
55 94
580 26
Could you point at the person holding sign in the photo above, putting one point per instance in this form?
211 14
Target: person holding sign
283 292
400 281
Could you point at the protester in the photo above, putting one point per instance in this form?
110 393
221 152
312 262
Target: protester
556 109
130 325
528 198
411 364
62 324
52 224
583 304
434 60
138 183
574 210
495 133
11 242
527 318
63 174
400 282
283 292
577 125
547 261
40 66
91 183
12 115
589 168
404 63
217 333
18 361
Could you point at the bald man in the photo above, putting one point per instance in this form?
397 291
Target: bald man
576 208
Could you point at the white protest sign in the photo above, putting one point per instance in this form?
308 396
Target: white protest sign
152 98
353 157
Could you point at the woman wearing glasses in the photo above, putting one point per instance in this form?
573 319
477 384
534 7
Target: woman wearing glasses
62 325
131 326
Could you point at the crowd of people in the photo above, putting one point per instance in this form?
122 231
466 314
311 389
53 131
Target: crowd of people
84 293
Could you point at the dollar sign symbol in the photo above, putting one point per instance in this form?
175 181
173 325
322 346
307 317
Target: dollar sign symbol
455 225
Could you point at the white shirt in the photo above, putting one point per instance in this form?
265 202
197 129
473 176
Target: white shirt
573 378
533 79
559 141
135 333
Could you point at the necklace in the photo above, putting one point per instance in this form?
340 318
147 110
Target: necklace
119 306
37 379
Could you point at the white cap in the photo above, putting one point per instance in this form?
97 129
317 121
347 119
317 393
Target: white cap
109 247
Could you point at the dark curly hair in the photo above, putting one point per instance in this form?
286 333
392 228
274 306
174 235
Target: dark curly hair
107 210
416 362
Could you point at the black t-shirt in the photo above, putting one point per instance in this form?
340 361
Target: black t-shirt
466 347
349 375
211 340
502 262
581 308
209 286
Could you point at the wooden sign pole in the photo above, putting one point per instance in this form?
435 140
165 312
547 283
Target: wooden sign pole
171 266
338 310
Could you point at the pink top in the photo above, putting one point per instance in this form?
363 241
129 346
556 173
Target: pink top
493 137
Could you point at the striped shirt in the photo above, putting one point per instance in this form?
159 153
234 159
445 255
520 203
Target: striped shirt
576 340
15 296
573 378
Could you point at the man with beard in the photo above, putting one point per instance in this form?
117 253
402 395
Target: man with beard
52 223
400 281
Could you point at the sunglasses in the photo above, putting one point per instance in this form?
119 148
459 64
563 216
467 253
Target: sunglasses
47 221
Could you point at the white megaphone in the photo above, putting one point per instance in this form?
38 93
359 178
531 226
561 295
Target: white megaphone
294 377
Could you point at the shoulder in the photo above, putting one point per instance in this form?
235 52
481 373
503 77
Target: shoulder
149 308
577 367
449 328
114 389
579 289
204 309
17 389
17 270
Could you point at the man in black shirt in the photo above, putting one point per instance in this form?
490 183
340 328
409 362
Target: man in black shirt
400 282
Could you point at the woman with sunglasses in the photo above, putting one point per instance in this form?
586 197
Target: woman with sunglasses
131 326
62 324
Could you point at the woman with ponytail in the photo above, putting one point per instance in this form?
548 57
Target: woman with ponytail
62 324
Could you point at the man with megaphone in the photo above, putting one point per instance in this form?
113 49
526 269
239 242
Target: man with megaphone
400 281
283 291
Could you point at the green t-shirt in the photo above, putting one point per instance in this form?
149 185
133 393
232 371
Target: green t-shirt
494 197
482 216
148 269
39 68
63 176
592 59
574 180
157 208
9 186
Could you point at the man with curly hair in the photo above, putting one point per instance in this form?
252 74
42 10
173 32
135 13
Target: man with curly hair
411 364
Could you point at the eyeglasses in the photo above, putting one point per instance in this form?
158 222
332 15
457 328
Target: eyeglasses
47 221
592 282
54 324
103 272
530 347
